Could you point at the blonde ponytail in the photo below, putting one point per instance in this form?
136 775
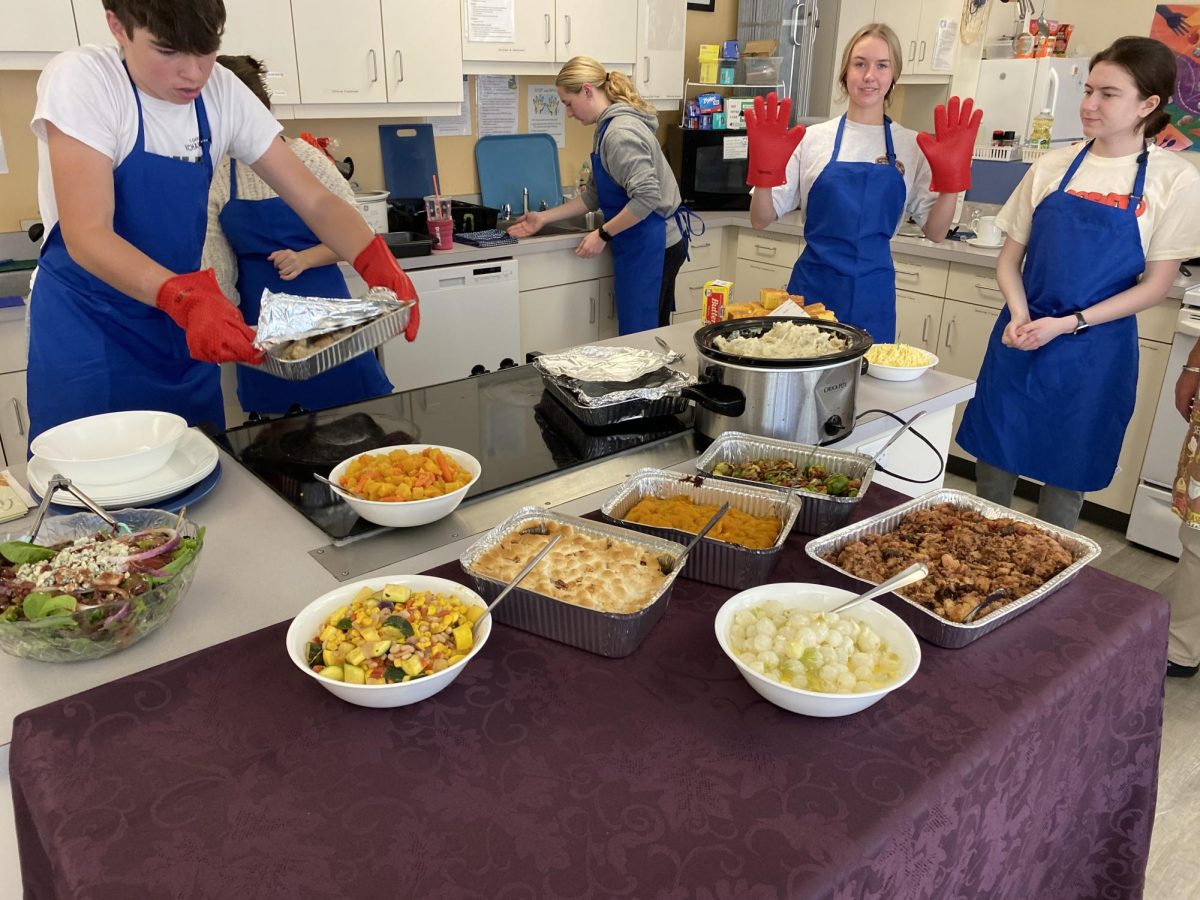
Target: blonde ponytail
617 87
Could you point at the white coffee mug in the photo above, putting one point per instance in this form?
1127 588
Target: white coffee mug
986 230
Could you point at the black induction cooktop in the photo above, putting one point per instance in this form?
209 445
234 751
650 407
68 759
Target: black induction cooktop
505 419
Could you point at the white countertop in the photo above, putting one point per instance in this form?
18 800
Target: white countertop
256 568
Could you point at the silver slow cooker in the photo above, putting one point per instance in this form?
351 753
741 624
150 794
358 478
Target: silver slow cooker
810 401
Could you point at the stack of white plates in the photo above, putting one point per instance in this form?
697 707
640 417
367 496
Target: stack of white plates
193 460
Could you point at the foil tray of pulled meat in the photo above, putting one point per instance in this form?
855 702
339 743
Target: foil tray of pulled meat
986 562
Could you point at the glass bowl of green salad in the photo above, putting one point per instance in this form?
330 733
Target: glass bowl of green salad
82 590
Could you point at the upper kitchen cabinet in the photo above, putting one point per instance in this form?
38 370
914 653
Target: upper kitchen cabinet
34 30
422 56
538 36
658 67
918 25
339 54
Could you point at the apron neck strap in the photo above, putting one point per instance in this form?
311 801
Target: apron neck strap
232 178
139 142
1139 180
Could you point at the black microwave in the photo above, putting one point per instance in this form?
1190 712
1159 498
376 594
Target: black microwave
711 168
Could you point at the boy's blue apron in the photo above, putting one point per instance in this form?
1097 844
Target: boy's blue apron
637 251
256 229
849 220
1058 413
93 349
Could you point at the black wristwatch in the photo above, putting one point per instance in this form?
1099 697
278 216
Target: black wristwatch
604 235
1081 324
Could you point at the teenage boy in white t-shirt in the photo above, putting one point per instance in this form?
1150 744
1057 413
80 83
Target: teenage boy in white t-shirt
127 141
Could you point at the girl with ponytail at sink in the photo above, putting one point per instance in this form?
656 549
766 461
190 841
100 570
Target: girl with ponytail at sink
632 183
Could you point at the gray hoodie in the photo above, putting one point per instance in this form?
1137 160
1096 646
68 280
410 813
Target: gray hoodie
632 157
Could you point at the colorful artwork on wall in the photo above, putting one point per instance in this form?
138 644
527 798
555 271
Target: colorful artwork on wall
1178 26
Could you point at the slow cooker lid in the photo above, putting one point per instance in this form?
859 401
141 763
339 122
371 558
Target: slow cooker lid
858 342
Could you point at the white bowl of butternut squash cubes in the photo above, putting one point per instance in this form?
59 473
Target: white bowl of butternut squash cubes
391 640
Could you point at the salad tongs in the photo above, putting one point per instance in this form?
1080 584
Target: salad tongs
62 483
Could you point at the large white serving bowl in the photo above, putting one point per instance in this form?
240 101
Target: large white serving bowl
111 448
900 373
308 622
406 513
814 598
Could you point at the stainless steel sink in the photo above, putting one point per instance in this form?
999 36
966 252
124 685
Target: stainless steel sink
576 225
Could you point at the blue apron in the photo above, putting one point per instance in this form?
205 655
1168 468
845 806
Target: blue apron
93 349
851 215
256 229
1058 413
637 251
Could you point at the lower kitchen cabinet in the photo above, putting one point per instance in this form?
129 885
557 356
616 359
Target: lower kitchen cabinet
561 316
961 345
750 277
606 321
689 293
14 422
918 320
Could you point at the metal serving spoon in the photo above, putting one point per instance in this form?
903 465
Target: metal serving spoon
333 484
915 572
529 566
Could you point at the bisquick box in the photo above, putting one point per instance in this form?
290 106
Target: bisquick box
716 297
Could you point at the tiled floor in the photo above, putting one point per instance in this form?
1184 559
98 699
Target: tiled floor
1174 870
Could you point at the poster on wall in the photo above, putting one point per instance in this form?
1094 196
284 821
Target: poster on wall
546 113
1178 26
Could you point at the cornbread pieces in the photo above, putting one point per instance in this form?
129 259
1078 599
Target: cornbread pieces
594 572
679 512
969 557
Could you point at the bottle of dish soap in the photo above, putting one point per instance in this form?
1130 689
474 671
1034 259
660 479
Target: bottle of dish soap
585 176
1039 131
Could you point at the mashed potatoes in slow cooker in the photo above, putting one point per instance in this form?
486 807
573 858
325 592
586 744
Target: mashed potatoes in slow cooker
785 340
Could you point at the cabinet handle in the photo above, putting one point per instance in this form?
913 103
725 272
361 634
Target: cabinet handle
591 310
646 80
374 67
950 335
567 22
907 274
912 51
699 246
399 66
20 420
921 58
988 287
925 329
547 18
763 248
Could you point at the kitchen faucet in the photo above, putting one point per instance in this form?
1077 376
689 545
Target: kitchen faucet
525 200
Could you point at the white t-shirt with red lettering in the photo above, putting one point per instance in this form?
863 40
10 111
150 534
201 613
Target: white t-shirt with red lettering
86 93
1168 216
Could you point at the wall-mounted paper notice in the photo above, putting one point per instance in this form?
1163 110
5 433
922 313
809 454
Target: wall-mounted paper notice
546 113
496 104
3 158
491 20
450 126
943 47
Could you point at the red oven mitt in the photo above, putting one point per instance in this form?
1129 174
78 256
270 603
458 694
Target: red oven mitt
950 147
215 330
771 143
379 268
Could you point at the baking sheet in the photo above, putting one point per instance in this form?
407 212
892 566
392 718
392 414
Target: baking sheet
925 622
821 513
364 340
603 633
713 561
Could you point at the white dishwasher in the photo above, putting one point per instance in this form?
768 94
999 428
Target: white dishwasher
470 323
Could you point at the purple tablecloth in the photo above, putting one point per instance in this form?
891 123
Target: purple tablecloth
1022 766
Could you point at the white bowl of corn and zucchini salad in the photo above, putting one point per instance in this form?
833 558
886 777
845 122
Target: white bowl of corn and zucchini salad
391 640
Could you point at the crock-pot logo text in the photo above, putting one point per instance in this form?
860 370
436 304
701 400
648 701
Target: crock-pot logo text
834 388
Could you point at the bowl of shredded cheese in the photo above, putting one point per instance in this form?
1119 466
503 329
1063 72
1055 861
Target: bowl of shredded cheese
899 362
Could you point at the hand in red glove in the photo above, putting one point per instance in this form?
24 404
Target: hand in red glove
950 147
771 143
379 268
215 330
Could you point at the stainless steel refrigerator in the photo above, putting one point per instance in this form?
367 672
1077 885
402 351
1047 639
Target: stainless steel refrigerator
807 31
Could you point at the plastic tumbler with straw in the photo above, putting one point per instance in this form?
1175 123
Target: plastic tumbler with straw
439 219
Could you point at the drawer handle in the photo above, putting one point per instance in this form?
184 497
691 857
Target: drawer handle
925 329
907 274
20 419
374 66
699 246
988 287
950 335
763 248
